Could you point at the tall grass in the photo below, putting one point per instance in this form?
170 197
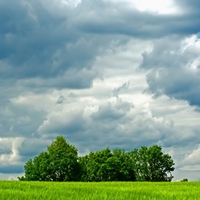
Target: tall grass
16 190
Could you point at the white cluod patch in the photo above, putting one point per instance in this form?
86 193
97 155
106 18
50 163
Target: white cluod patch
191 46
191 42
156 6
72 3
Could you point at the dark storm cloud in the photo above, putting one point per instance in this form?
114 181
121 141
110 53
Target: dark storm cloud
25 39
106 17
179 84
174 71
38 43
190 23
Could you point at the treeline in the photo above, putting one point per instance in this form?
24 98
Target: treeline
61 163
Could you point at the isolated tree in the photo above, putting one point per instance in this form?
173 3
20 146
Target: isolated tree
58 163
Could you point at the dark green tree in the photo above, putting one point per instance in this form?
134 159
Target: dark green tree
160 165
63 157
151 164
58 163
93 166
37 169
122 166
105 165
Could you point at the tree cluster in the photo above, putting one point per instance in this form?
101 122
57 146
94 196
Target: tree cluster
61 163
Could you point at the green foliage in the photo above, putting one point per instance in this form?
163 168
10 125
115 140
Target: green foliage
61 163
63 158
105 165
150 164
184 180
58 163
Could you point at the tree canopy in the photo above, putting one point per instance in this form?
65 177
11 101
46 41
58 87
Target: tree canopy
60 162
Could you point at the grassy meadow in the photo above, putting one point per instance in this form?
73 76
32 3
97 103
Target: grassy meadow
16 190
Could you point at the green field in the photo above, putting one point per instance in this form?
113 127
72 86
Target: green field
13 190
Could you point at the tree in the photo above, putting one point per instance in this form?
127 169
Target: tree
184 180
94 167
58 163
63 160
37 169
122 167
150 164
160 165
105 165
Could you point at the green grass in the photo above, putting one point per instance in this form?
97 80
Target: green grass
16 190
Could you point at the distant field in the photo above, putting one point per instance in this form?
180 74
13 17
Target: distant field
15 190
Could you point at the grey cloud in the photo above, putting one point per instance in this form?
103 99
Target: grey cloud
165 53
179 84
121 89
173 71
61 99
192 158
66 123
181 137
41 42
19 119
72 78
5 151
108 112
191 7
5 147
111 125
109 17
31 147
116 124
37 43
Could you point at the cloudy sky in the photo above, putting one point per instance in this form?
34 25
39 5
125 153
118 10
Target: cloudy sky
117 73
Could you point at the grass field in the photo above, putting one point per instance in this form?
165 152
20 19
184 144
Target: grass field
15 190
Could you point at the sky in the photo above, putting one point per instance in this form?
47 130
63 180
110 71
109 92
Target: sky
117 73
